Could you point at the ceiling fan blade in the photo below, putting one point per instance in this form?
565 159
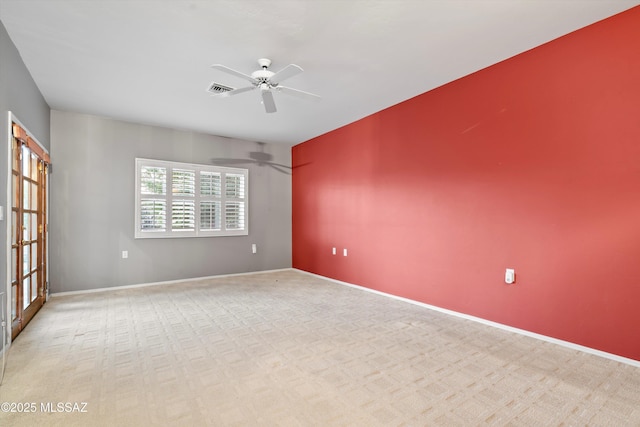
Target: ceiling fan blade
234 72
234 91
300 165
277 164
267 100
298 93
287 72
279 169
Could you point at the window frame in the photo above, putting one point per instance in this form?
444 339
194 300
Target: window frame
169 198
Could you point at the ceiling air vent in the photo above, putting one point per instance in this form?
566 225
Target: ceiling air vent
218 88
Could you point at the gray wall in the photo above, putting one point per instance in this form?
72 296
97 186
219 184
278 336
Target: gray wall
93 197
19 94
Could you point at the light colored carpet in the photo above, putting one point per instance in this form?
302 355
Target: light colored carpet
289 349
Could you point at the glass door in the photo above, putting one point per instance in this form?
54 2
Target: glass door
28 229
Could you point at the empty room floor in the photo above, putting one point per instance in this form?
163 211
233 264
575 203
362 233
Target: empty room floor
286 348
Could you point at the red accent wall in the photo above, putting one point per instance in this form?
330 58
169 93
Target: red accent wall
531 164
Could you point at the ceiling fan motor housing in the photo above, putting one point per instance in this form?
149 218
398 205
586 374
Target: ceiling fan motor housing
262 75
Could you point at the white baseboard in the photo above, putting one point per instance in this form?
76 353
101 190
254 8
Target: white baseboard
541 337
168 282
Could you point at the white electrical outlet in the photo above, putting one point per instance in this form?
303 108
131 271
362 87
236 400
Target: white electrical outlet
509 276
254 248
125 254
333 251
344 252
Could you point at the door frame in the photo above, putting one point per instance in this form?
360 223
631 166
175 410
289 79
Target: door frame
6 211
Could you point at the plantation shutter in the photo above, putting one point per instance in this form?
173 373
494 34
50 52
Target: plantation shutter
183 208
234 206
153 204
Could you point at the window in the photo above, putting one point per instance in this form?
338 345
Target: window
187 200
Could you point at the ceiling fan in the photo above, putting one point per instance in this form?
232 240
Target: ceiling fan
259 158
264 80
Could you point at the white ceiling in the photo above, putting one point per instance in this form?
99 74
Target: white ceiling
149 61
